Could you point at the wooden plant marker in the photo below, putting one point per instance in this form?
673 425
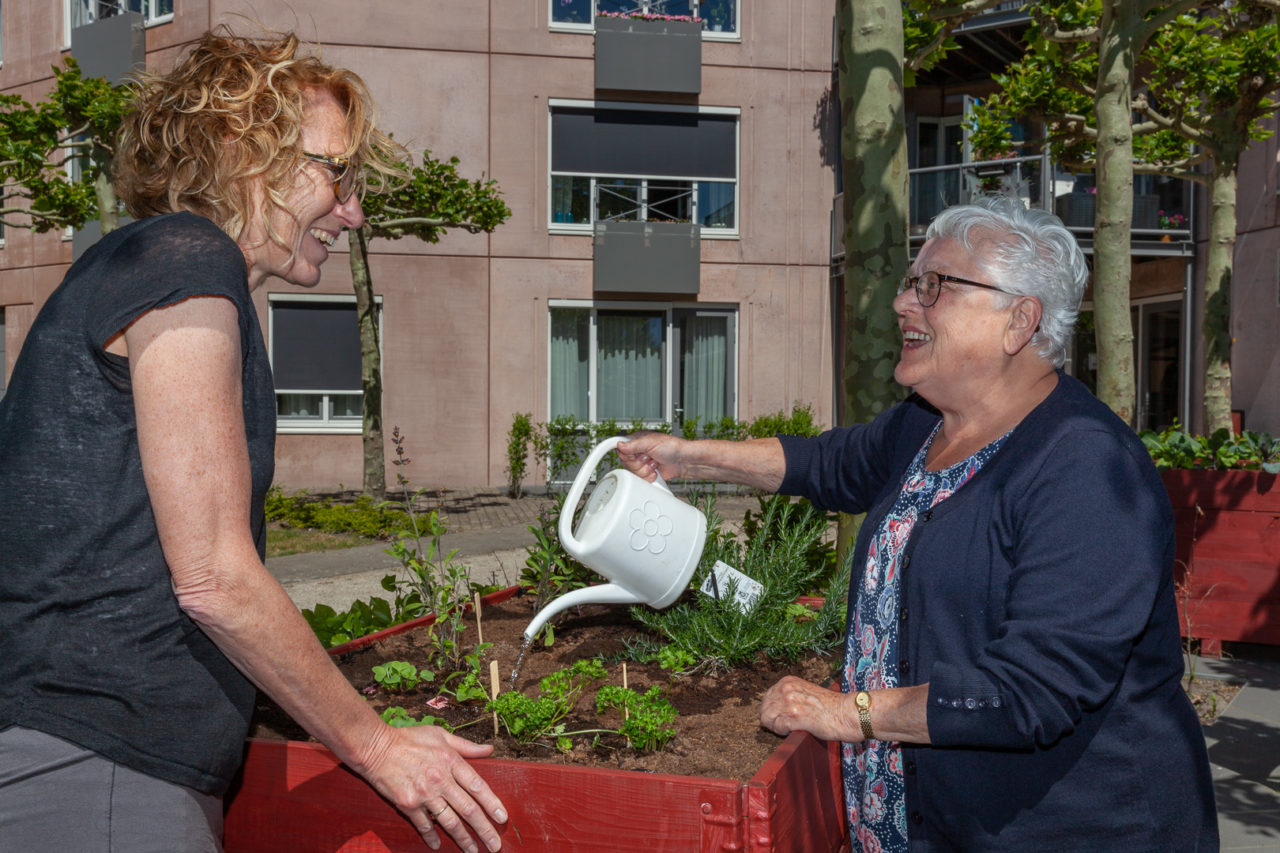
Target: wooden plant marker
479 630
493 691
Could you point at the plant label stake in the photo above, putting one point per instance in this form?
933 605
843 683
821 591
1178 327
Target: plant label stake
493 691
479 630
637 534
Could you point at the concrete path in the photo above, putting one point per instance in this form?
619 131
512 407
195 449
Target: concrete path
491 534
1244 750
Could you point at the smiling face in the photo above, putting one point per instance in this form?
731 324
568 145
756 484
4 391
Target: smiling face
953 350
311 219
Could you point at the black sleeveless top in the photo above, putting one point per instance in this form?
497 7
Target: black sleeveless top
93 646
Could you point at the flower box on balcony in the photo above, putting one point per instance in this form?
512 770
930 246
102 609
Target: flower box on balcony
641 55
1228 559
647 257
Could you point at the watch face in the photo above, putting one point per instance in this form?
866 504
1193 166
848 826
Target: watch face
862 700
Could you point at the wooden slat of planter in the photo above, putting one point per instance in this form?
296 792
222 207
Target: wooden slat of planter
297 797
1252 491
1227 525
794 802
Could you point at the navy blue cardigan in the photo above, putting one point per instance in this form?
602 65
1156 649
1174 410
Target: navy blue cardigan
1038 605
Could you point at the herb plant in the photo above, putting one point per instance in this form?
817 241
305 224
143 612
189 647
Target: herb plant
787 552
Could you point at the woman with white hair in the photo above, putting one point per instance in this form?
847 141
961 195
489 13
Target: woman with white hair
1012 671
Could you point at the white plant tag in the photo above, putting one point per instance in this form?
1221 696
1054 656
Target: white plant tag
722 575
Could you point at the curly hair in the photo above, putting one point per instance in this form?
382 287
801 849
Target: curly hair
199 137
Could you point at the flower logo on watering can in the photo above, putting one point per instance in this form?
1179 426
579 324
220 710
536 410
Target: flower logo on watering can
649 528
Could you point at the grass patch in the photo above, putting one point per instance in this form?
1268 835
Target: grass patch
283 541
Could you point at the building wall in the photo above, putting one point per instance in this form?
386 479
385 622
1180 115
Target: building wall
465 321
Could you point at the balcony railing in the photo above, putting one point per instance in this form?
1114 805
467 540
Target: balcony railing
1160 216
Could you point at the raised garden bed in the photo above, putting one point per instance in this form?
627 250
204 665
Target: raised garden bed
1228 557
295 795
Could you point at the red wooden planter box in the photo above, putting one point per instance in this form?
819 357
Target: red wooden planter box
295 796
1228 563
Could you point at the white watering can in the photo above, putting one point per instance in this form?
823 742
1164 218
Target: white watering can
637 534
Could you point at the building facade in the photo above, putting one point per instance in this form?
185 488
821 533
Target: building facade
667 254
670 249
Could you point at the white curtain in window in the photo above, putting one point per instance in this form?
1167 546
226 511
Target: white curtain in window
704 366
570 377
629 366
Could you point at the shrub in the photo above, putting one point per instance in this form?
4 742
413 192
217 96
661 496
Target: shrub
1174 448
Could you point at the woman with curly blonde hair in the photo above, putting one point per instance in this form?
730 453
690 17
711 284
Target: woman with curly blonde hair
141 415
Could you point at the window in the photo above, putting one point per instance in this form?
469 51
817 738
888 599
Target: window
81 12
2 359
316 360
645 362
718 16
632 163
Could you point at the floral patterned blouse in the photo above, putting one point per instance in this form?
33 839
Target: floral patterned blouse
873 784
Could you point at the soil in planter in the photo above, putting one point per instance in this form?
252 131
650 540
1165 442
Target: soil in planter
718 730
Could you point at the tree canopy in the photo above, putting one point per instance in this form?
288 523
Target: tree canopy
76 123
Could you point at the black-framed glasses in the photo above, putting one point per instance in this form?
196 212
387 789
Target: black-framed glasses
928 286
344 174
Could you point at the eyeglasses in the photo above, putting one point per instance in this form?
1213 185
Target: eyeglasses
928 286
344 174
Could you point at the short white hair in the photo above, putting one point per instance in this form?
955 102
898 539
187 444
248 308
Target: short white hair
1028 253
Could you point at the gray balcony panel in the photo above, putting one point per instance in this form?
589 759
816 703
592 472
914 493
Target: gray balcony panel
110 47
647 257
648 56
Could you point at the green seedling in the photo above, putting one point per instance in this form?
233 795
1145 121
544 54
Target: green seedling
399 676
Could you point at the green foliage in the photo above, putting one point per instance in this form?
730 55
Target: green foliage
549 568
1174 448
399 676
400 718
433 199
520 439
442 586
465 685
649 717
333 628
362 516
529 719
647 727
787 553
562 443
77 121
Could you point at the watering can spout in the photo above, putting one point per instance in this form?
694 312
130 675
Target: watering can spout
609 593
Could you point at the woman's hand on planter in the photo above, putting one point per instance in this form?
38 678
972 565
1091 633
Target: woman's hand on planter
423 769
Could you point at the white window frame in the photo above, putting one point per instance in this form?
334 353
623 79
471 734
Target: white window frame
323 426
707 232
69 15
734 35
670 358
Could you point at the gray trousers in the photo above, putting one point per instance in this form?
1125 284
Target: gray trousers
57 796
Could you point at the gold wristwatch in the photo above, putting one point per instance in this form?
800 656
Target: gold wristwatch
863 700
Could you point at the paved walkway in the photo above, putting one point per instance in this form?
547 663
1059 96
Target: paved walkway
491 534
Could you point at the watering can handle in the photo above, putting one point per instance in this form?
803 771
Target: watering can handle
580 483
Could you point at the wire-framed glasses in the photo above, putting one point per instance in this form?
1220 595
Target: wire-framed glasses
344 174
928 286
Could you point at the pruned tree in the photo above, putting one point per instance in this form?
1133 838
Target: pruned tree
1079 77
55 155
881 45
1207 76
433 199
